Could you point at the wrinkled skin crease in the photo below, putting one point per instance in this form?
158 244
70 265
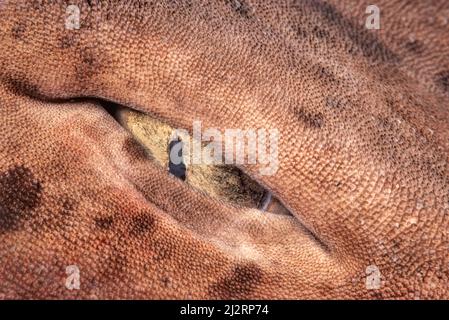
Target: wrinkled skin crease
363 150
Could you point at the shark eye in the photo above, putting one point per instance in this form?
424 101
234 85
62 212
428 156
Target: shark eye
176 165
220 181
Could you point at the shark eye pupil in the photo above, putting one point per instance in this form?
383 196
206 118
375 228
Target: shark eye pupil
176 165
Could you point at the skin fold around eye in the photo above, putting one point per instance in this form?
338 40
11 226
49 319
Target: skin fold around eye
223 182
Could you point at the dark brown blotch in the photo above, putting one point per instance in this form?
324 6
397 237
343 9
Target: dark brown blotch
320 33
165 281
241 7
414 46
88 58
142 224
18 31
311 120
442 80
134 149
362 40
68 206
104 223
324 74
20 195
88 65
301 31
66 41
18 85
242 281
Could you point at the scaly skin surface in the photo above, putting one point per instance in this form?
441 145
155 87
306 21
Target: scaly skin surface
363 154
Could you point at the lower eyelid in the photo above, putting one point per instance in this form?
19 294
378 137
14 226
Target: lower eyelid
275 206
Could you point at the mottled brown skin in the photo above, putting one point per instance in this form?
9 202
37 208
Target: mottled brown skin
363 117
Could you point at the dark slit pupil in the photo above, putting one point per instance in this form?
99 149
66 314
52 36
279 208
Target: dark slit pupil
176 169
